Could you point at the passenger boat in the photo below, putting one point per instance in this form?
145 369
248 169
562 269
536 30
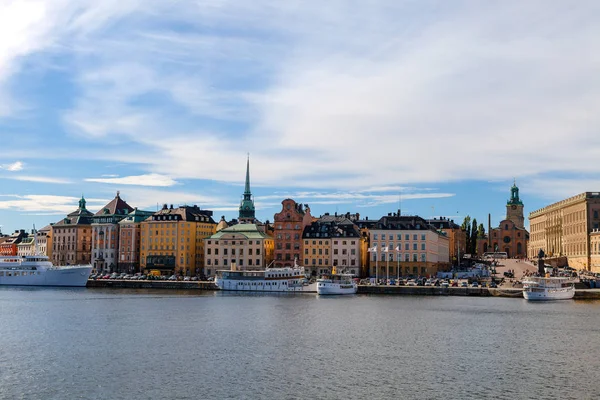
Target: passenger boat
550 288
283 279
39 271
336 284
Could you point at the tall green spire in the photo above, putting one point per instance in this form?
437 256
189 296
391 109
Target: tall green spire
247 212
514 195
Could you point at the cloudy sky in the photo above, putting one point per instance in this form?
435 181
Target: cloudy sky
360 106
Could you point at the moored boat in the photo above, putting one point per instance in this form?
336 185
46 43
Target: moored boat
283 279
550 288
38 271
336 284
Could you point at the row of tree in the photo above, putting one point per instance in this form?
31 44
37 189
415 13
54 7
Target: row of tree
472 232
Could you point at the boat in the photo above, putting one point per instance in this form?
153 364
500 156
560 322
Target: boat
548 288
335 283
37 270
281 279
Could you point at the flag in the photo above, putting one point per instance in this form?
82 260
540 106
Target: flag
397 248
373 249
385 249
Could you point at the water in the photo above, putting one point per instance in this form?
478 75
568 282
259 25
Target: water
137 344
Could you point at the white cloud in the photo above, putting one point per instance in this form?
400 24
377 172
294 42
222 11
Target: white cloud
139 180
16 166
327 96
39 179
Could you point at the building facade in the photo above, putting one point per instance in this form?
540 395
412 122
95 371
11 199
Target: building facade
130 236
289 226
456 236
26 247
244 246
105 235
595 250
9 246
72 237
564 231
172 240
44 239
332 241
407 246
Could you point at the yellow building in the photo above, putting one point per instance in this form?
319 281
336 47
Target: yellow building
172 240
563 230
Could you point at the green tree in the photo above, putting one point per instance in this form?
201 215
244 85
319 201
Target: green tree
473 243
466 227
481 231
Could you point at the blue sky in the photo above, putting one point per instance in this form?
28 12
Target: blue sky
344 105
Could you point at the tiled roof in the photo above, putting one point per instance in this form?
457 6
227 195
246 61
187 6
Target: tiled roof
117 206
249 231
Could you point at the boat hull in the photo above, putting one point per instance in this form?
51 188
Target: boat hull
327 288
550 294
238 285
68 277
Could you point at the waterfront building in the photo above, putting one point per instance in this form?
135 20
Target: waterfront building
331 241
365 226
105 234
510 236
172 239
130 234
456 236
595 250
9 246
44 241
413 246
565 231
72 237
289 225
27 246
244 245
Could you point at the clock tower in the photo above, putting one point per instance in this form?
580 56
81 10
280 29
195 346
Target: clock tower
247 213
514 207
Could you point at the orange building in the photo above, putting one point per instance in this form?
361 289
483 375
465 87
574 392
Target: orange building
289 225
130 236
72 237
10 246
172 239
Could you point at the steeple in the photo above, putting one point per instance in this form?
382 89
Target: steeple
82 203
514 207
514 195
247 212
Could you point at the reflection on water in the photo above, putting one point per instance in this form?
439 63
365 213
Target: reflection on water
129 344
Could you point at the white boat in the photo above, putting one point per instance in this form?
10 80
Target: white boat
39 271
551 288
285 279
336 284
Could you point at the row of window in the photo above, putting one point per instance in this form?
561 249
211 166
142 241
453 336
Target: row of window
391 247
233 251
390 257
239 262
390 236
335 242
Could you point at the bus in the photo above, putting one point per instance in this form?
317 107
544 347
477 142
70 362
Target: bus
495 255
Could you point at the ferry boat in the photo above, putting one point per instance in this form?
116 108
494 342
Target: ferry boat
284 279
550 288
336 284
38 271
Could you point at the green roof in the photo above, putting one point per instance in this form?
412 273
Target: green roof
249 231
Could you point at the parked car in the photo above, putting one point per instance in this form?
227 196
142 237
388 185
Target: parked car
444 284
194 278
464 284
187 279
173 278
475 285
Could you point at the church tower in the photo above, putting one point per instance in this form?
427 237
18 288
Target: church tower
247 212
514 207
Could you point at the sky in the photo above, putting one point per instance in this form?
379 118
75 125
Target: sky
431 107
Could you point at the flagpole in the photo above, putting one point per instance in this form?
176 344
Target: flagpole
398 259
376 267
387 267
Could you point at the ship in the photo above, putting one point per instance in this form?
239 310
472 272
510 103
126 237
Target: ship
38 270
281 279
336 284
550 288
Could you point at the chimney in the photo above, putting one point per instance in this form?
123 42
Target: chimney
171 207
164 207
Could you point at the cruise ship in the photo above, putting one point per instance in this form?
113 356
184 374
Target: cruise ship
284 279
38 271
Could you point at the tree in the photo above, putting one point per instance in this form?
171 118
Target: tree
481 231
466 227
473 242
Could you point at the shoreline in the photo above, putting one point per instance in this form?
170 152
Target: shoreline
580 294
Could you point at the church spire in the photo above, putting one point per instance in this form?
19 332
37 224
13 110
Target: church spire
247 188
247 212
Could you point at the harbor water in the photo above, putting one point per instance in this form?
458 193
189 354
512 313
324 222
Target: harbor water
144 344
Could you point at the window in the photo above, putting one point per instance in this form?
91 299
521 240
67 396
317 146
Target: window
415 257
422 246
415 237
407 237
374 236
383 236
423 236
423 259
414 246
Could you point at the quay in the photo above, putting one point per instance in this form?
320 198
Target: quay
580 294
